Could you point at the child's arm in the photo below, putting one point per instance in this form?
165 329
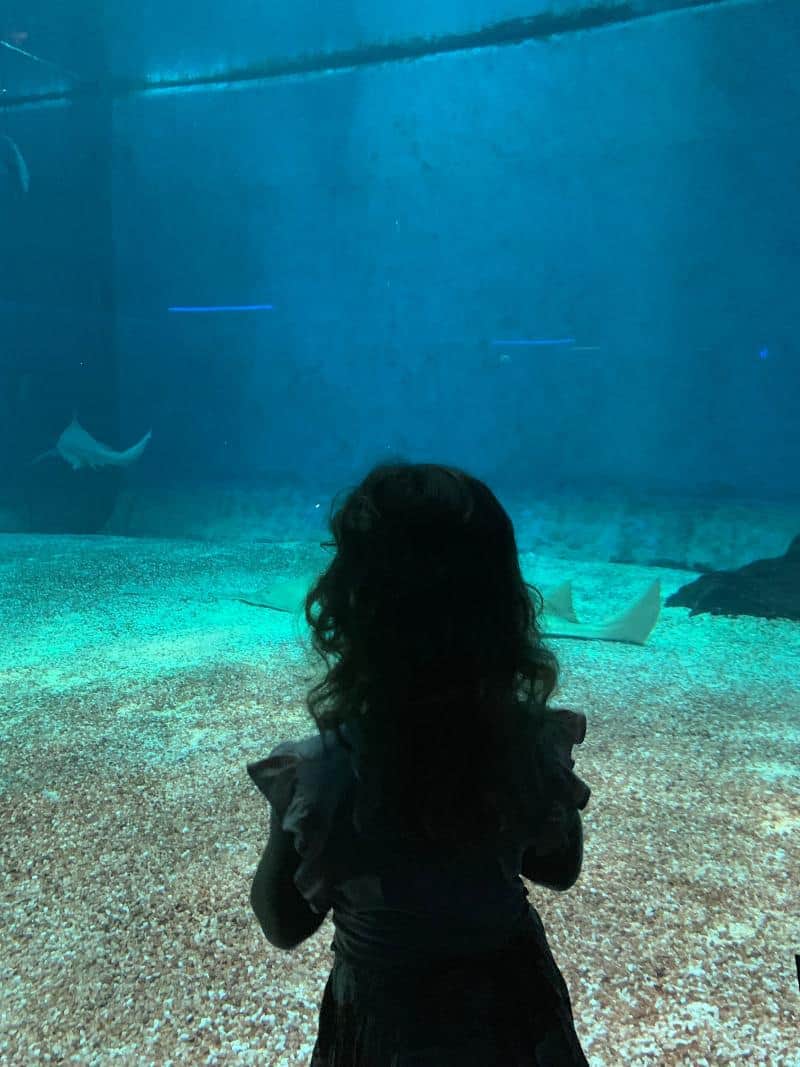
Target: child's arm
283 913
557 868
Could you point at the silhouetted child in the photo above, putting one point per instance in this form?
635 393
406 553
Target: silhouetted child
438 775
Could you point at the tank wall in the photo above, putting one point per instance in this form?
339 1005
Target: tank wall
629 189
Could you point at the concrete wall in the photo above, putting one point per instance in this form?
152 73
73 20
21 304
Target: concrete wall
631 188
56 270
437 191
612 527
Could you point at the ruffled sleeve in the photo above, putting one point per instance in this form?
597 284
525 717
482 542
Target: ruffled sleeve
304 785
547 789
560 730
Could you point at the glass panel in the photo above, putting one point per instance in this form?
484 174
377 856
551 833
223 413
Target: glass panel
247 254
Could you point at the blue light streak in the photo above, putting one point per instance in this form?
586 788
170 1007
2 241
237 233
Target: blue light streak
222 307
38 59
538 342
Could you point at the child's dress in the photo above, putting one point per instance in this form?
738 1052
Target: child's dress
440 961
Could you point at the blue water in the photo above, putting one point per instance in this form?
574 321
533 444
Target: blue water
555 245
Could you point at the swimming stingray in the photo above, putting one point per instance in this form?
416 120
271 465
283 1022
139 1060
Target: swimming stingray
633 626
13 163
80 449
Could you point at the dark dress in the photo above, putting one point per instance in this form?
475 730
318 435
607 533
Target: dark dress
508 1008
438 961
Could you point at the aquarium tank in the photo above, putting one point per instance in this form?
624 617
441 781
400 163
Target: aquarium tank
247 253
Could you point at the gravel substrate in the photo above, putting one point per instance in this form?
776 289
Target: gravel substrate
132 693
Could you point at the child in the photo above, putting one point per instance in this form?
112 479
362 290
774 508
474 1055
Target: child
439 775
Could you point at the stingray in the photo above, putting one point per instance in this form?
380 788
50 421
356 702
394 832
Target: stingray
765 588
80 449
13 163
633 626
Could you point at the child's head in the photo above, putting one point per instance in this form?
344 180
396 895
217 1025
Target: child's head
424 611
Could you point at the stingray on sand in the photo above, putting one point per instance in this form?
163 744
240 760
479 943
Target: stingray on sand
633 626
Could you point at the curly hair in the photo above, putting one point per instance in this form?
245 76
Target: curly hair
429 636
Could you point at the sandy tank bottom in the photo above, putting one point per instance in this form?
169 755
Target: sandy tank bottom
133 692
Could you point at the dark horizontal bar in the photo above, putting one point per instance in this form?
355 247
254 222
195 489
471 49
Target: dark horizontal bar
510 32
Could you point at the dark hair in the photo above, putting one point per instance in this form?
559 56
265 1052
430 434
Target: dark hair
430 639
